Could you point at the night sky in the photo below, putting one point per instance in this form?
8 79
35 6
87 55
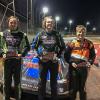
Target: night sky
79 11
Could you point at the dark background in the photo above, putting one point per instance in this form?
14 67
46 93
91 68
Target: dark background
80 11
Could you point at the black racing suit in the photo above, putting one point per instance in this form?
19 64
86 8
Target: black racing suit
12 44
50 42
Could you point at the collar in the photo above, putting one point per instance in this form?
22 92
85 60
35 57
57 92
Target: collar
13 31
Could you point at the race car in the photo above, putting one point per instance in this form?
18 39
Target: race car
30 76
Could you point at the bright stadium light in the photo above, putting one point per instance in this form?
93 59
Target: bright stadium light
45 10
70 23
65 28
87 23
57 19
94 29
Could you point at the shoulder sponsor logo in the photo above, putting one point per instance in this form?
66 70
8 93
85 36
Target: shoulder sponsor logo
44 37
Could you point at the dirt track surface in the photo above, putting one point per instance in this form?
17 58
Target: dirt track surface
93 84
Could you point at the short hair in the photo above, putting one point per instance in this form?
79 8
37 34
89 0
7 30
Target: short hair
44 21
80 27
12 17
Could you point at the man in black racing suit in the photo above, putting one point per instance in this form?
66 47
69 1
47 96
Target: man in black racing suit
14 45
49 45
